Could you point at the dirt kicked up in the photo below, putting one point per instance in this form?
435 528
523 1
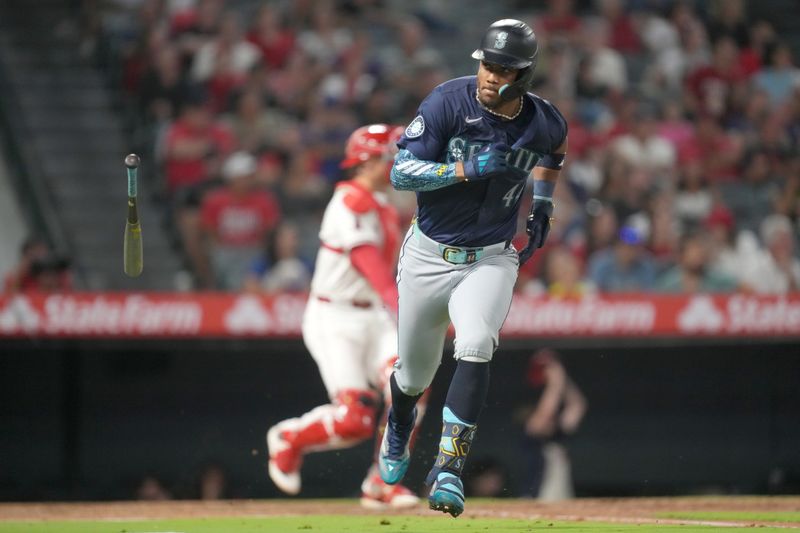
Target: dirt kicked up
644 514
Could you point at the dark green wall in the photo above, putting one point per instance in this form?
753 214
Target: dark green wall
87 420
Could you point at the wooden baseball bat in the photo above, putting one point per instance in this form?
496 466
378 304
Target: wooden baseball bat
132 248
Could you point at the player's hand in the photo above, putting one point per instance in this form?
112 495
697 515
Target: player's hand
537 227
489 161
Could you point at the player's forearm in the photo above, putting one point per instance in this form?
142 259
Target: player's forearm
412 174
574 408
545 177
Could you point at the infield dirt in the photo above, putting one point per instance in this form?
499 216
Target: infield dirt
632 510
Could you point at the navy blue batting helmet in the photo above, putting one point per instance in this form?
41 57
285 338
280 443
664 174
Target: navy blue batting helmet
512 44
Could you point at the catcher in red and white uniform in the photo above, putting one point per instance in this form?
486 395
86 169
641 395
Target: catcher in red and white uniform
349 324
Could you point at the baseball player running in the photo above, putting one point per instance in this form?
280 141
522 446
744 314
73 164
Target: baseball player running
349 324
467 154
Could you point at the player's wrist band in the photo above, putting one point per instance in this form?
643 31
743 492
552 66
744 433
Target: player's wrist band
543 190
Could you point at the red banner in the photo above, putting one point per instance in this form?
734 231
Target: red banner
221 315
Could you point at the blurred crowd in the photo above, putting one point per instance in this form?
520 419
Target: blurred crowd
246 106
683 168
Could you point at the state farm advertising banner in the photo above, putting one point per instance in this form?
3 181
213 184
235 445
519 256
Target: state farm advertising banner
221 315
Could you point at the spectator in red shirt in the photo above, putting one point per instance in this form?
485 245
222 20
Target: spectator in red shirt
275 42
52 274
708 87
196 25
762 36
623 33
194 146
39 269
717 152
237 219
560 20
21 278
222 63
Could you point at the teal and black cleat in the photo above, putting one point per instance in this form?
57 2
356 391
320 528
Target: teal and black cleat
447 494
394 455
447 491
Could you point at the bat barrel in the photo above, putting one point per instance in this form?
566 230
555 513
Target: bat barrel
132 250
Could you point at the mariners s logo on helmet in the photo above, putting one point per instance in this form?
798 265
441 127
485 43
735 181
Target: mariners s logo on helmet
500 40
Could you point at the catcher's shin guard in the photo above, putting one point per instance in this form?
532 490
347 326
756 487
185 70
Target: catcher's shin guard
350 419
355 416
284 461
447 491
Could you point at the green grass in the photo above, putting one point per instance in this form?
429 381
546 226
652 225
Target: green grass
341 524
743 516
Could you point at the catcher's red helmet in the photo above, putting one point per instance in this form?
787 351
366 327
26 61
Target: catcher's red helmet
374 140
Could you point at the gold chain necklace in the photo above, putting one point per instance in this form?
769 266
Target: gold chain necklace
495 113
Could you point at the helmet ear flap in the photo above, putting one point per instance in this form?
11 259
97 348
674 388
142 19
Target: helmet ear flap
521 85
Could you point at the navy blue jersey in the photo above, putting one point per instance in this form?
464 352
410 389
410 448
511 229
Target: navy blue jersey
452 126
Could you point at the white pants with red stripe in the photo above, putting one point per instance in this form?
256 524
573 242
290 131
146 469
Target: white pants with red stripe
352 346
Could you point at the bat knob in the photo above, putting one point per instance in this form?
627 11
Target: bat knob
132 161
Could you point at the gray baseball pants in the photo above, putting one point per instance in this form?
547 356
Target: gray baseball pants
433 292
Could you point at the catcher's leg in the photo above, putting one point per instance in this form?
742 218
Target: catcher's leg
345 422
334 336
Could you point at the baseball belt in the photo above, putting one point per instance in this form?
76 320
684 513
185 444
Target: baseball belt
361 304
458 255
